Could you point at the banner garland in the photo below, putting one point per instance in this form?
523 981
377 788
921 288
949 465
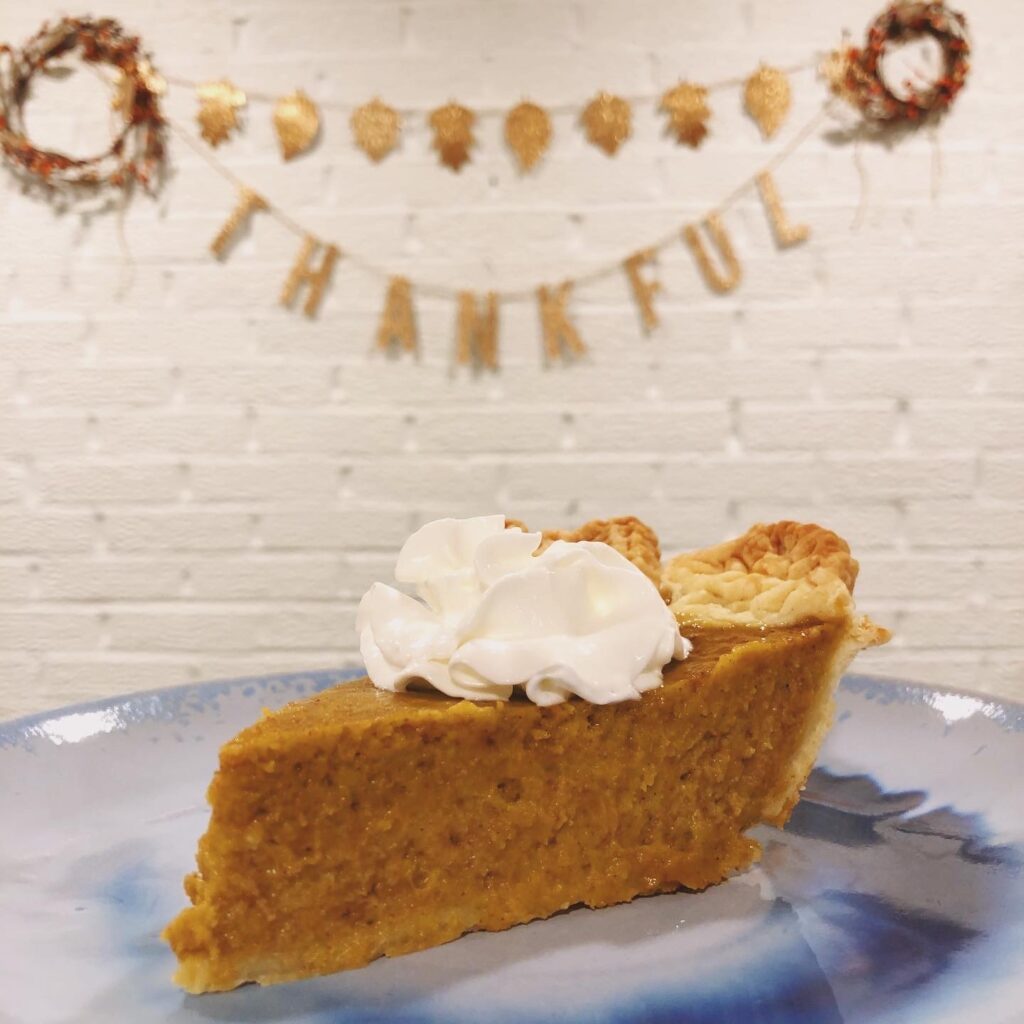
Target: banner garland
606 119
707 239
397 318
853 75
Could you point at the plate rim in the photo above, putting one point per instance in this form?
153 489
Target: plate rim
11 729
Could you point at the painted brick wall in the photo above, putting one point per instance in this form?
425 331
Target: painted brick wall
196 483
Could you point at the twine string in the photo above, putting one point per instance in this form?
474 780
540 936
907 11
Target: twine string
435 289
496 111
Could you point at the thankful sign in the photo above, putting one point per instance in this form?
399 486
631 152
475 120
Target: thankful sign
855 76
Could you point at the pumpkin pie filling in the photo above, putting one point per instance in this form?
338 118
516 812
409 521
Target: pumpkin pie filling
362 823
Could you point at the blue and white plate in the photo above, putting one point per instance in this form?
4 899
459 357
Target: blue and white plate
896 893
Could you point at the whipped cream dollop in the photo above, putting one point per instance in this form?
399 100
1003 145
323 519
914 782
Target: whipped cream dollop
578 618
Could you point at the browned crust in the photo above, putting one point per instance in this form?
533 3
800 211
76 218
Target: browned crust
630 536
775 574
785 550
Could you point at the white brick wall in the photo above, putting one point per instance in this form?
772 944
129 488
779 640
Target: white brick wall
196 483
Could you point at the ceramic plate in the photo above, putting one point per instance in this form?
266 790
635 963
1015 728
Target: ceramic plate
896 893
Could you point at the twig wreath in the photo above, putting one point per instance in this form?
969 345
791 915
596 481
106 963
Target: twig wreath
136 151
861 80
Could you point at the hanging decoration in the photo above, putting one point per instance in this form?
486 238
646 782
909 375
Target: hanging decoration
476 334
643 289
136 151
303 272
767 97
297 123
786 234
453 134
561 339
528 133
219 104
608 122
858 75
249 202
718 280
688 112
397 322
375 127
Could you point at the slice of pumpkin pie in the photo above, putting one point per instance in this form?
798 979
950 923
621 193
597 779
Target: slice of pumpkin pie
535 733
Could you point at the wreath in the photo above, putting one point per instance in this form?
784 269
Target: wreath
861 81
136 151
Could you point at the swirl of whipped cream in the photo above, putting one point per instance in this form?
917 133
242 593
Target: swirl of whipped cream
578 618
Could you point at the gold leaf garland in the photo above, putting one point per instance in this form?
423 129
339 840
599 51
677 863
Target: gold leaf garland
452 125
376 127
476 329
297 123
607 121
767 97
687 107
219 104
528 133
138 149
855 74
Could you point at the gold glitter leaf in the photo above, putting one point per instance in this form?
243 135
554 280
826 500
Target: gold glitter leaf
767 97
688 111
607 120
297 123
528 133
151 78
375 127
453 134
127 80
124 94
844 76
219 103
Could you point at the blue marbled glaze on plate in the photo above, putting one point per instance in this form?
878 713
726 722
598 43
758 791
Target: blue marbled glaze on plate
896 893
